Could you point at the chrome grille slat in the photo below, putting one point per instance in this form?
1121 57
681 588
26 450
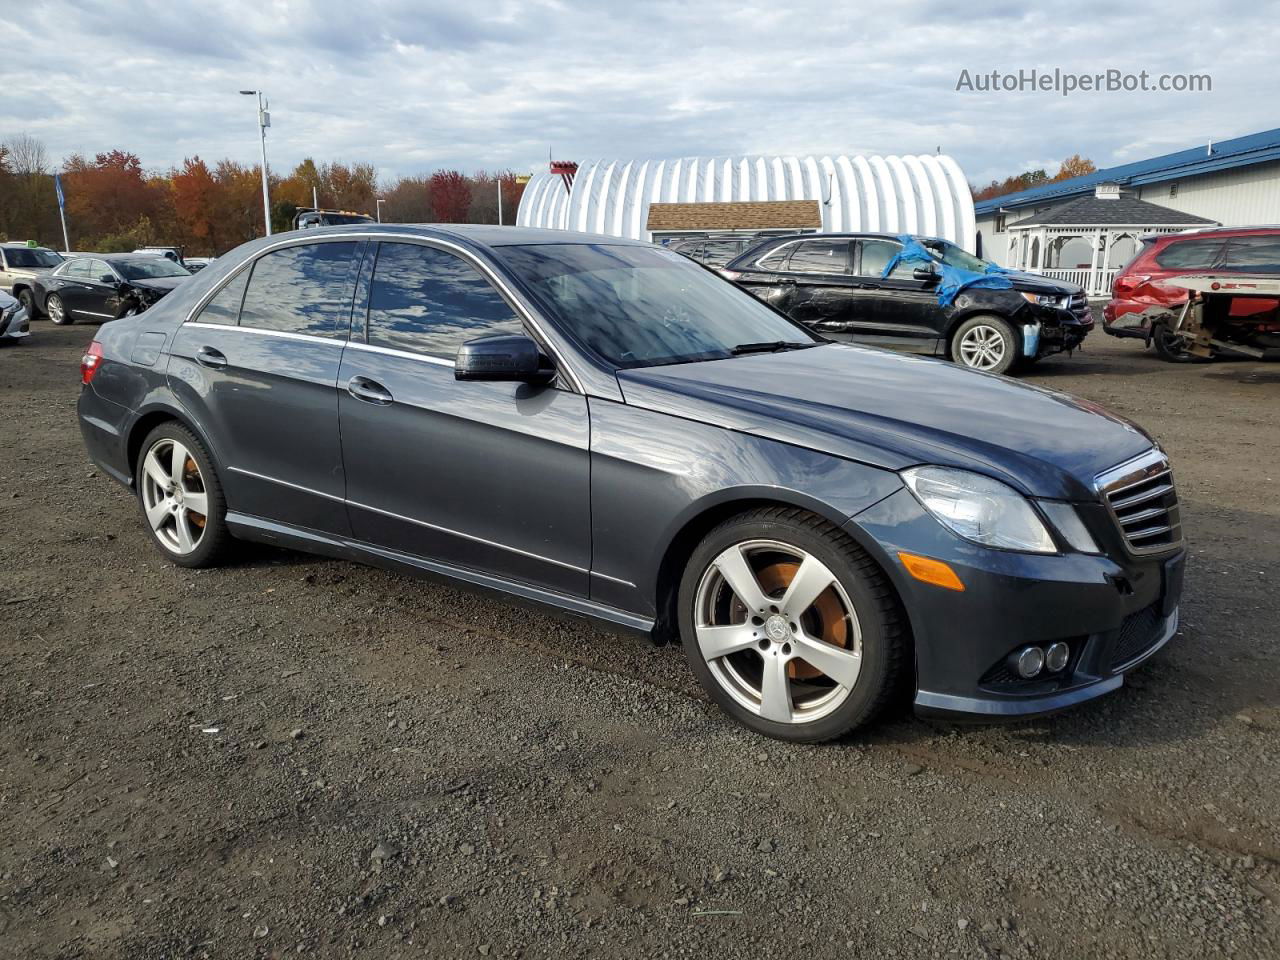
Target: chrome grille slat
1143 501
1127 502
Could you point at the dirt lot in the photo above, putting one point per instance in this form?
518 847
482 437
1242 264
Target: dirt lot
295 755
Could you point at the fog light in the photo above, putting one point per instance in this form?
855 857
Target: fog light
1029 661
1056 657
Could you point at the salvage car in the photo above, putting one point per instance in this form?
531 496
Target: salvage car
835 284
20 265
1145 293
105 287
14 322
602 427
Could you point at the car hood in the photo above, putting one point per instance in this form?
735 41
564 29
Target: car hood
1034 283
896 410
159 284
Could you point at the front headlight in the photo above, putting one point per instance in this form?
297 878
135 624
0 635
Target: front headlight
979 509
1043 299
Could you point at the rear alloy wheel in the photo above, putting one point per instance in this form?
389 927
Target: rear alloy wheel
1171 347
181 498
984 343
57 309
789 626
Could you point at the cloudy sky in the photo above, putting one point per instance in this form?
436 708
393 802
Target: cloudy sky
413 85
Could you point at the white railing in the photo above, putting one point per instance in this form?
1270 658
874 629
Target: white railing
1096 283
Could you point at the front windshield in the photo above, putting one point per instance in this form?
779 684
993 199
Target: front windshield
31 257
953 256
150 268
639 306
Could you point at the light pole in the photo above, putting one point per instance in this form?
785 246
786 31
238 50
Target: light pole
380 201
264 121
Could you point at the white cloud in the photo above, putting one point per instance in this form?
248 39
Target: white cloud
411 86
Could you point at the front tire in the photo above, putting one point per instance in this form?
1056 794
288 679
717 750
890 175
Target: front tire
790 626
28 301
181 497
57 310
985 343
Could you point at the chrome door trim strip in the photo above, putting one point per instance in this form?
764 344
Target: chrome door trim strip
258 331
393 352
485 270
420 523
605 576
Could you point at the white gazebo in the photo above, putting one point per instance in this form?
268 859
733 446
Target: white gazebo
1088 240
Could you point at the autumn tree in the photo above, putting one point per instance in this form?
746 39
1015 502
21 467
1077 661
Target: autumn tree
194 201
1074 166
450 196
408 200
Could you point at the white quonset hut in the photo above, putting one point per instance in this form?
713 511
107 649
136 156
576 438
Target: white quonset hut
662 199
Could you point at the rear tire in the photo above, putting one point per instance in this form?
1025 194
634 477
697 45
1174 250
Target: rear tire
58 310
181 498
1170 347
777 662
986 343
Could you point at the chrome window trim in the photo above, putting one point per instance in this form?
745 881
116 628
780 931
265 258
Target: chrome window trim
261 332
803 239
407 354
488 273
420 523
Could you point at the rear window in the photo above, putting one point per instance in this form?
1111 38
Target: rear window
302 289
820 256
1191 254
1256 254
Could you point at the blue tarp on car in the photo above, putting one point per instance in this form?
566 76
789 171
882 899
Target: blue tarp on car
953 279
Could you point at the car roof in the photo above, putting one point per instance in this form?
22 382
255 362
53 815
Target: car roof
20 245
482 234
1214 231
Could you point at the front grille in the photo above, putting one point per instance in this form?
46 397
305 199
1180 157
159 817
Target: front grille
1142 498
1138 633
1080 307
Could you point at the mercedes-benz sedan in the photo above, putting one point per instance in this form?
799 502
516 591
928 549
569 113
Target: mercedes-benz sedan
603 427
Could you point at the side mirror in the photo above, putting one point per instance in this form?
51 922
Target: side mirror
109 279
927 274
503 357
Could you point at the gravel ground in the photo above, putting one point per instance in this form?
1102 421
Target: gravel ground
296 755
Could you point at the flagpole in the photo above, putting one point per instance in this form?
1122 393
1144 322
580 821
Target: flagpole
62 213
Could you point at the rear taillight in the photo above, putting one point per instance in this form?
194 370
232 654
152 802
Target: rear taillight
90 362
1127 283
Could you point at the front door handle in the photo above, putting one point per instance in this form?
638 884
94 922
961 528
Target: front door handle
209 357
370 391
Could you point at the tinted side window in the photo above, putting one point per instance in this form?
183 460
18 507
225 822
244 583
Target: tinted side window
717 253
778 259
78 268
99 270
1260 254
429 301
820 256
876 255
225 305
1190 254
303 289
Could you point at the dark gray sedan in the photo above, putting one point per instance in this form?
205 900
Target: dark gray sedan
605 428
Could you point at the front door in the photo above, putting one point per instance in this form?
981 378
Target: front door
259 364
99 296
493 477
898 310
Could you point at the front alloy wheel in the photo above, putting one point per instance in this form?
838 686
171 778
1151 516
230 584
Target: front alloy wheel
790 626
985 343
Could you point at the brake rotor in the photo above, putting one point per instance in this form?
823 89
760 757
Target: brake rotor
825 619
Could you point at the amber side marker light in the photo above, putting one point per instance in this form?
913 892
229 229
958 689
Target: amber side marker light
931 571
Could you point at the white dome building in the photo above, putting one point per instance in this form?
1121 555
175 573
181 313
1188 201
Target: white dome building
661 199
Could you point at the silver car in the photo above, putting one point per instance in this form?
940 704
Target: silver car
14 320
20 264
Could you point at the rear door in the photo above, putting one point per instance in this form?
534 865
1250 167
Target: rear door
898 310
765 277
259 367
823 285
493 477
72 285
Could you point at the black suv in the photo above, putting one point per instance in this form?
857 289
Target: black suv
833 283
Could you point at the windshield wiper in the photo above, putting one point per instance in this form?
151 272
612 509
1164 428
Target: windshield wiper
773 346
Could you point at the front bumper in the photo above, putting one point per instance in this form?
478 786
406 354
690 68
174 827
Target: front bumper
1113 612
1061 330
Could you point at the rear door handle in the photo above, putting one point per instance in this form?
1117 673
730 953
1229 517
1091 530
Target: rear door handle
370 391
209 357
